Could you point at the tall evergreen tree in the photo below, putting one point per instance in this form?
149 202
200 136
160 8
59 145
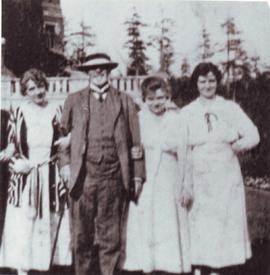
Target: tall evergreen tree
233 45
137 58
206 46
254 66
81 41
163 43
185 68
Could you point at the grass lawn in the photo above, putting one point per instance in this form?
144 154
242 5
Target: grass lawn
258 212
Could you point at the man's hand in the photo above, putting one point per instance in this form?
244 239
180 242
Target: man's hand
136 152
63 143
138 186
236 147
186 198
65 173
7 154
20 166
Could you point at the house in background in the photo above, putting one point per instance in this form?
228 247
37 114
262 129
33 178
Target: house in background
33 31
53 29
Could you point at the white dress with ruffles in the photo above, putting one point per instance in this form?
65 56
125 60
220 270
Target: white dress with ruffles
157 226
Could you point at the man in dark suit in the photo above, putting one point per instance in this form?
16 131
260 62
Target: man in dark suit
104 163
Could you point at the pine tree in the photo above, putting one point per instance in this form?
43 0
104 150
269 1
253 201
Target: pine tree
254 66
206 46
163 43
81 41
137 58
185 68
234 50
233 45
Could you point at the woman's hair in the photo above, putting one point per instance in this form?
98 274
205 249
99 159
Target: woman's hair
37 76
202 69
153 83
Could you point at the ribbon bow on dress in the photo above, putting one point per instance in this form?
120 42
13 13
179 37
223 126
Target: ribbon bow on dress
208 120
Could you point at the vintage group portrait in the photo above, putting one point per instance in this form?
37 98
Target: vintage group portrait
135 137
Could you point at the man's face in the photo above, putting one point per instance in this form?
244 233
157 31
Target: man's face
99 76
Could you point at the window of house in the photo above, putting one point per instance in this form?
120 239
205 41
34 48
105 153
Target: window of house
50 35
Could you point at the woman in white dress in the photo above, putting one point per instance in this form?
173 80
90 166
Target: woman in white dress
35 194
157 227
218 130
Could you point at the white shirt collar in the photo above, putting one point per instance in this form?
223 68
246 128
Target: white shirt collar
97 95
99 92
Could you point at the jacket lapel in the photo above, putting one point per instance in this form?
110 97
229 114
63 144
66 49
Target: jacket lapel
115 100
85 106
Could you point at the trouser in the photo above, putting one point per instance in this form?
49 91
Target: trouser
98 211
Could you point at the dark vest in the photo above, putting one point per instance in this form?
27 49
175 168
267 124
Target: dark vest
102 157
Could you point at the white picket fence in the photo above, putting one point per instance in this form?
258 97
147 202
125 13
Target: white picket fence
60 87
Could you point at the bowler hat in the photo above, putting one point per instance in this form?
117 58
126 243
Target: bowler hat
97 60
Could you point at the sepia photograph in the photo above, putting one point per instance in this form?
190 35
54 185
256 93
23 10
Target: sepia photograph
135 137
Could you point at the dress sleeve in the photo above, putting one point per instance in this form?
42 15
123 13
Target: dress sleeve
65 129
184 152
248 132
56 123
15 124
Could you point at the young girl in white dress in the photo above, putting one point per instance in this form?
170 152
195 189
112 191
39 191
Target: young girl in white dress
35 206
218 130
157 226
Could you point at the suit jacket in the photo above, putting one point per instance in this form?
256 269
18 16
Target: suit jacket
75 119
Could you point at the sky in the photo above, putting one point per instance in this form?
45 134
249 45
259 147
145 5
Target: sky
107 17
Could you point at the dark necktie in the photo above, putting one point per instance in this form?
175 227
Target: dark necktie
100 98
